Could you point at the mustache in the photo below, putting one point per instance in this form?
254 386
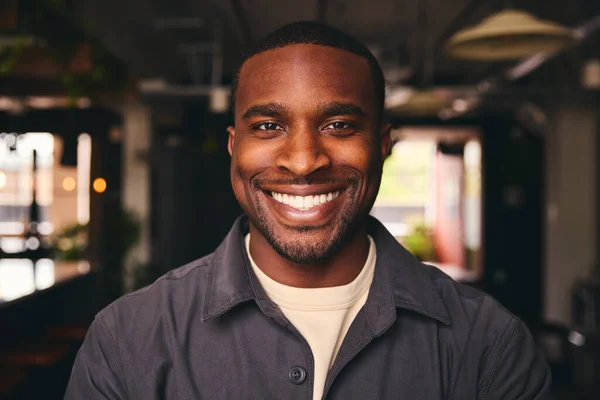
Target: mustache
301 180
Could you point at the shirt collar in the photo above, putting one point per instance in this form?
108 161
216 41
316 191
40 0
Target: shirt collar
400 281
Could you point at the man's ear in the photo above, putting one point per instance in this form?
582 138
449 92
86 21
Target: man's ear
231 140
385 140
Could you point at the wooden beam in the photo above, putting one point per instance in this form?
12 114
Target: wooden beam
61 121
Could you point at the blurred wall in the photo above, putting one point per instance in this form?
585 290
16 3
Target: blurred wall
571 205
193 206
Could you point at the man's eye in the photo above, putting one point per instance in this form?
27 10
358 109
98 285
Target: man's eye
338 126
268 126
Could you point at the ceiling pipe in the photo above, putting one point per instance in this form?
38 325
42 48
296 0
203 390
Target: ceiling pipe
194 52
428 52
423 53
217 55
458 22
530 64
160 88
242 22
321 10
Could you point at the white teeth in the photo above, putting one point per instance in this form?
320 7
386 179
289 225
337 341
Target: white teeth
304 203
308 201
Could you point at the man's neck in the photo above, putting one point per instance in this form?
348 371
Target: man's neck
339 270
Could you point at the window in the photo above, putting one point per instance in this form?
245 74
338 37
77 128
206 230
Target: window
406 187
16 184
430 198
61 192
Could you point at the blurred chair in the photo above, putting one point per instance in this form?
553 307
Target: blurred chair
574 360
47 366
74 332
553 338
11 381
585 352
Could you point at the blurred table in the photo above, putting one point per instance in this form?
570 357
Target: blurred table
23 277
37 295
585 356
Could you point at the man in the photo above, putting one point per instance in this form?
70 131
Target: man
308 297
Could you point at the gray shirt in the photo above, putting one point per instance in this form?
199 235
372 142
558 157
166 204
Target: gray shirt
208 331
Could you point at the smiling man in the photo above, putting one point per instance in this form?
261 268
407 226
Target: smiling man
308 297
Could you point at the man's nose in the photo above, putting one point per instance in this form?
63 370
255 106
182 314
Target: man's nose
303 153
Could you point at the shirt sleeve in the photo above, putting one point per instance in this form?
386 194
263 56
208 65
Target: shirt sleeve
517 368
96 373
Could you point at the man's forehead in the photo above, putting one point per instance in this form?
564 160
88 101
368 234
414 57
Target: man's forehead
314 54
304 67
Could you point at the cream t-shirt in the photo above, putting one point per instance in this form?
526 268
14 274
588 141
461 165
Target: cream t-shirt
322 315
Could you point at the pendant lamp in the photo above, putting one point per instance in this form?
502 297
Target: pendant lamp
508 35
421 104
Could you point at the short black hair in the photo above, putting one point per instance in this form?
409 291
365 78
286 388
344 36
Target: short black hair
313 32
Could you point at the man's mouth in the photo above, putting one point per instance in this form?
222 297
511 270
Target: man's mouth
305 203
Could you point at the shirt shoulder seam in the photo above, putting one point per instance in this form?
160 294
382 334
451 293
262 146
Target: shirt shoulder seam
498 352
167 278
114 351
480 294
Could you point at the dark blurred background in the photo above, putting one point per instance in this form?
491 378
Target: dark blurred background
114 167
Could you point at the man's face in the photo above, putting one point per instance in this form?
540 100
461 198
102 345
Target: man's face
307 149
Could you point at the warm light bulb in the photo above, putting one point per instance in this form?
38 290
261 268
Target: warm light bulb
68 184
99 185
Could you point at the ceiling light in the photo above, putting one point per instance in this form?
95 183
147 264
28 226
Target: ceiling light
591 74
460 105
508 35
421 104
218 99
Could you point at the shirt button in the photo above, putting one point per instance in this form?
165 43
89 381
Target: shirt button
297 375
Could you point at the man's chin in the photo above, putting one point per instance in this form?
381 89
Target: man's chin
304 252
305 244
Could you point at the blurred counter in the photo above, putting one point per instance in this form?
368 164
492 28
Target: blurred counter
36 296
23 277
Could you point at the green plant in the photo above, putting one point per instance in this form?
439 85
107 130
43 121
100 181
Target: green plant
70 244
420 241
9 55
52 21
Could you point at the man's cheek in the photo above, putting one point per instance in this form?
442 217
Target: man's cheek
251 160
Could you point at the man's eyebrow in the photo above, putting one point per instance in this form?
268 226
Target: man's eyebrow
336 108
265 110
